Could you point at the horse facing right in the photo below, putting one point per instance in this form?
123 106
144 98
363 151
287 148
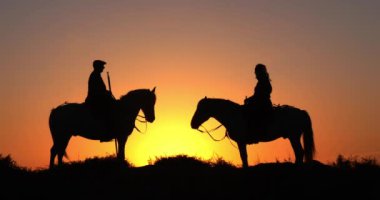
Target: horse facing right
75 119
288 122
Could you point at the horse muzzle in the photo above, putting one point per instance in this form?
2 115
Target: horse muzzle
150 119
194 125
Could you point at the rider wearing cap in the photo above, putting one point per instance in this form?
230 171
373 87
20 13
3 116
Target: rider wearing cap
99 98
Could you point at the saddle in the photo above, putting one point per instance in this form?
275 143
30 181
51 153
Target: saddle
258 121
106 118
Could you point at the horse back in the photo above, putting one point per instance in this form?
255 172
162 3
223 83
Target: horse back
66 115
287 110
288 119
67 110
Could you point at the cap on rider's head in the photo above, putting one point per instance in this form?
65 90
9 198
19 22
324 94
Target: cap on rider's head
98 64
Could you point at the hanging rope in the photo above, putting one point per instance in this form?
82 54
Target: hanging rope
117 150
214 129
142 121
228 135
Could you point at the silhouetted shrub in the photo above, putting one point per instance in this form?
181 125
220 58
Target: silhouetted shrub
180 161
184 161
10 169
355 163
7 163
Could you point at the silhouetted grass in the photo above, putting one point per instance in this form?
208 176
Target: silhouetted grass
108 162
219 162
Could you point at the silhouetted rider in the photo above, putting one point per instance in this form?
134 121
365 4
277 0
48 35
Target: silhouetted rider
259 106
99 99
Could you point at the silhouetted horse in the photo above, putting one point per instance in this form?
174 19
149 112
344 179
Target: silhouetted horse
76 119
288 122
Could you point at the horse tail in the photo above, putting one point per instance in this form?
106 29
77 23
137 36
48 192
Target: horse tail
308 138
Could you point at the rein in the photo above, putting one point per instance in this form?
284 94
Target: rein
142 121
214 129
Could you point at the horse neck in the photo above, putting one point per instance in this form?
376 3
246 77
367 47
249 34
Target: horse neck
223 111
130 106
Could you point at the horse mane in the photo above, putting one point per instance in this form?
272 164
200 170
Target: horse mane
63 105
223 101
285 107
132 93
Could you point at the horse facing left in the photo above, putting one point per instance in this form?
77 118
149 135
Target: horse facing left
75 119
289 122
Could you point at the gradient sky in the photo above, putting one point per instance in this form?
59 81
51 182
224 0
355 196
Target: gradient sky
322 56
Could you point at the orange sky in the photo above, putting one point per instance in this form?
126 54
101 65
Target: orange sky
321 56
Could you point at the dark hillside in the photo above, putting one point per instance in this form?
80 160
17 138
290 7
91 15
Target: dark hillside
184 177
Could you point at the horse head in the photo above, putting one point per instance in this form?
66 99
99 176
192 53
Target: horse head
143 99
148 105
201 114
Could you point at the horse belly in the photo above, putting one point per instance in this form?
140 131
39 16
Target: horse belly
92 129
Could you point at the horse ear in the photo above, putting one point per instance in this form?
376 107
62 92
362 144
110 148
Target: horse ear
154 89
205 97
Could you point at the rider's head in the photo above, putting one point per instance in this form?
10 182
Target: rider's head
261 72
98 65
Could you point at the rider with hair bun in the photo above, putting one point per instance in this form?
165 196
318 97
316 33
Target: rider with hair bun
259 107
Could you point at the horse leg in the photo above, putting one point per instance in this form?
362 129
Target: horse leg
243 154
62 149
297 148
53 153
120 152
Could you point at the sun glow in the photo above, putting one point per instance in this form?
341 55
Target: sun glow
165 137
